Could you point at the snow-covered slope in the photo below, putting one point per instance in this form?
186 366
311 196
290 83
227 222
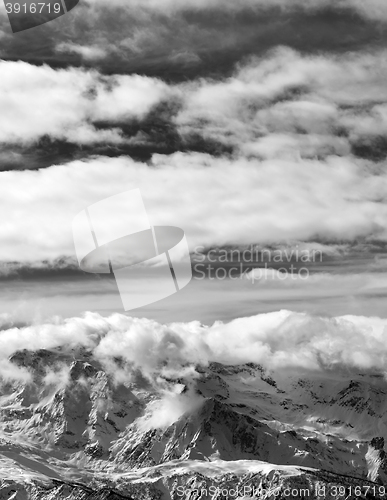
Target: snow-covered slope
73 431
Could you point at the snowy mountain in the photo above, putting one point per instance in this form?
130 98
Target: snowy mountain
73 431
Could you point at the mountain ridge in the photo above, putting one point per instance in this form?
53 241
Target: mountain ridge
73 429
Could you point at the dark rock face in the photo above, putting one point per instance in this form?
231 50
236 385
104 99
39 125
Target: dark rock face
59 491
376 459
377 443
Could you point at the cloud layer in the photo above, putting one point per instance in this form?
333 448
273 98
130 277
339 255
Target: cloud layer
183 39
304 135
278 341
217 201
282 105
291 105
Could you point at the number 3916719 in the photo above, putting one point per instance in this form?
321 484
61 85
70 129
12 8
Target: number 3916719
33 8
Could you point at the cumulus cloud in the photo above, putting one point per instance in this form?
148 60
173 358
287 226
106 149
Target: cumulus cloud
279 341
282 105
65 104
287 104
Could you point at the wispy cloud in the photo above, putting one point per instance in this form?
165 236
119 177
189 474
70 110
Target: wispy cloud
89 53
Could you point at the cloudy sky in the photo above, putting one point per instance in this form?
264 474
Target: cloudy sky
257 123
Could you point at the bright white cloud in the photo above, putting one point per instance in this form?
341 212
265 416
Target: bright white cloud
298 103
215 200
292 176
280 340
295 105
248 111
64 104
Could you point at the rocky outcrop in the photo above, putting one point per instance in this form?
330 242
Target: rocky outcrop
218 431
56 491
376 459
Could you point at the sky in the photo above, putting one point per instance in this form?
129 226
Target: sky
255 124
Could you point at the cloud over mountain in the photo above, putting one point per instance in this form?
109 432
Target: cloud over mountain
279 341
